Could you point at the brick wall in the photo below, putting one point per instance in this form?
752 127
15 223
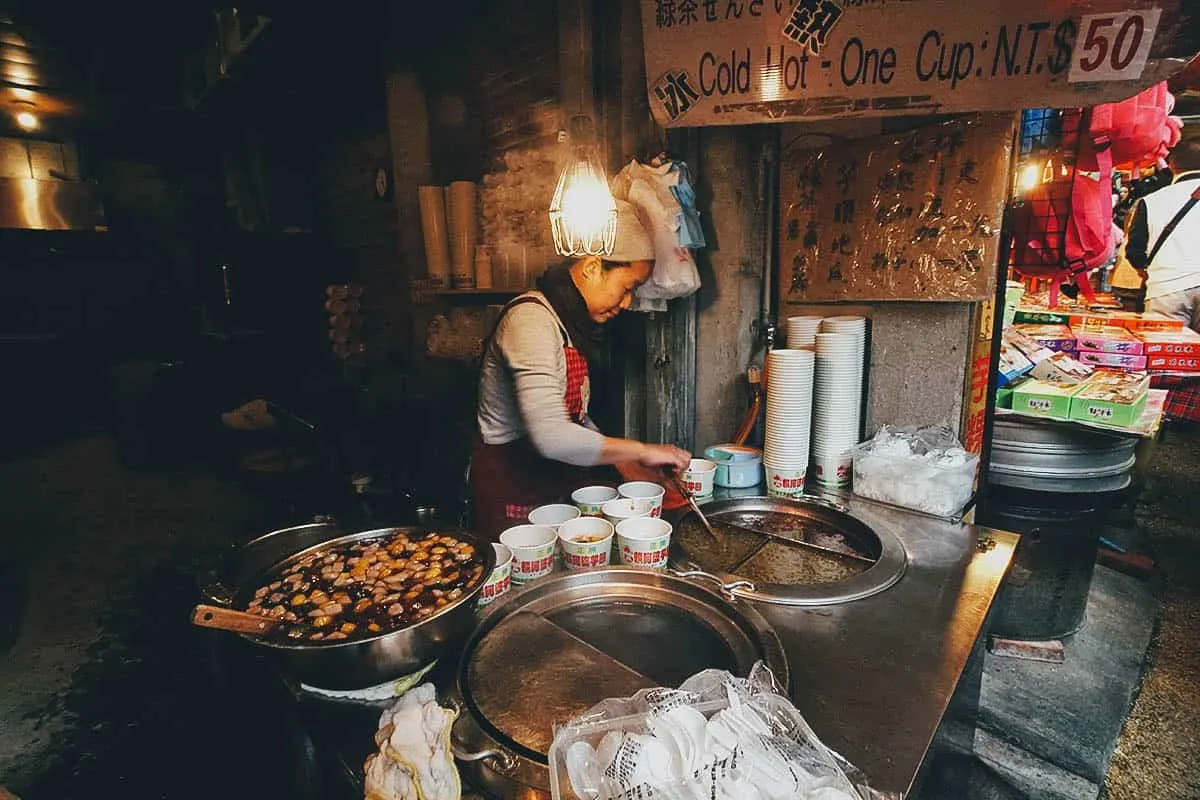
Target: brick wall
509 88
364 231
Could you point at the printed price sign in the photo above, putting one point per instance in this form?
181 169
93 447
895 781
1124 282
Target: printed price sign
1113 47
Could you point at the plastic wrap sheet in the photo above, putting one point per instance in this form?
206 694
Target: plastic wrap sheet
909 216
716 736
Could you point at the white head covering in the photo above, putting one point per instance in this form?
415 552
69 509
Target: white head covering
633 243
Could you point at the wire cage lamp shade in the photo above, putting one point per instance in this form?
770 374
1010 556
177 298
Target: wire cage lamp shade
583 213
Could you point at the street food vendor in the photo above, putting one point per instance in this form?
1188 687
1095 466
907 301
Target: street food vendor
535 442
1162 240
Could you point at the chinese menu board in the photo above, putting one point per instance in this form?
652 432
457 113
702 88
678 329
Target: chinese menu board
907 216
731 62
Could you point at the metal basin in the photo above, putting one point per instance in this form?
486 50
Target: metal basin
773 550
552 651
1053 457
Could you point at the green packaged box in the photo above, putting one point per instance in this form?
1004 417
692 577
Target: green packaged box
1111 398
1043 316
1004 394
1044 399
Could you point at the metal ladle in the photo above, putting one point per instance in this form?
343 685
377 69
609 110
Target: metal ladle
682 489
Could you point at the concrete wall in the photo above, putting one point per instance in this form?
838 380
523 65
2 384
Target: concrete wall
920 354
731 269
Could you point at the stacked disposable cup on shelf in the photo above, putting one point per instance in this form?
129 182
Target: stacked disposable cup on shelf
856 327
836 405
789 420
802 331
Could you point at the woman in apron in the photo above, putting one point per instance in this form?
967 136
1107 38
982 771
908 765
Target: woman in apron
535 443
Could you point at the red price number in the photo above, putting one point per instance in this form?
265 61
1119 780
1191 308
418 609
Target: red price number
1113 47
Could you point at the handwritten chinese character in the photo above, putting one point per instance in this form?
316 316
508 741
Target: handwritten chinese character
810 176
967 173
812 234
898 262
847 174
905 180
686 13
933 208
973 260
893 213
664 13
887 181
735 8
793 229
807 199
879 262
924 232
811 21
799 273
841 245
844 212
910 151
835 272
949 143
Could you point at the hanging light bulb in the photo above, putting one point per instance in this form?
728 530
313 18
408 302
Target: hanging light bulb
1028 177
583 214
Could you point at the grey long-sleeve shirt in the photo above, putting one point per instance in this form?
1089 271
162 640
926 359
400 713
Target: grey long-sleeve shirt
522 380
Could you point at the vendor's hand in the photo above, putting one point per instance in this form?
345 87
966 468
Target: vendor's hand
667 457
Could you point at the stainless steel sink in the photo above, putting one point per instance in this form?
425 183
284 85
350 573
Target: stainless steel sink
807 552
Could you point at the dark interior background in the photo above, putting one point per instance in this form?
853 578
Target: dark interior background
229 213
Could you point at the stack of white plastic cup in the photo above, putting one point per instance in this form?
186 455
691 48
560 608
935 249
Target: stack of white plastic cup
836 414
789 420
802 331
856 327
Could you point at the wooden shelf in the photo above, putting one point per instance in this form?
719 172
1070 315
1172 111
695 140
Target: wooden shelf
471 292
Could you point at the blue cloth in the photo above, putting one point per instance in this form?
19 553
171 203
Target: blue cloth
691 233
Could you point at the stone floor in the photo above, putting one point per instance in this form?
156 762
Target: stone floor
105 690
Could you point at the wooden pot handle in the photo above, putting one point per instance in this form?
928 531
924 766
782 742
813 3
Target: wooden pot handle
226 619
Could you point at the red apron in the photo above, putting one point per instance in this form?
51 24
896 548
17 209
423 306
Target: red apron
510 480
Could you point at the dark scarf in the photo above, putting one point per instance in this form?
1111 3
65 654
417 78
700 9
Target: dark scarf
586 334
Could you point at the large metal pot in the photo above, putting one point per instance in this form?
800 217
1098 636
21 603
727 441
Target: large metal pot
362 663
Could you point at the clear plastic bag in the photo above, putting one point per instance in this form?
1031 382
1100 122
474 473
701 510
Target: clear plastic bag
925 469
649 189
716 737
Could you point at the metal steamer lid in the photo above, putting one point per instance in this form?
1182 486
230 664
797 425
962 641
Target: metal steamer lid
555 650
804 552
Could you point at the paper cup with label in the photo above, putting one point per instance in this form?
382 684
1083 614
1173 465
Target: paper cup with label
532 549
590 500
586 542
833 470
644 542
500 581
785 480
553 515
699 476
621 509
647 497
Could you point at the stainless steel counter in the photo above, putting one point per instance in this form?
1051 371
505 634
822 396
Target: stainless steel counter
874 677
